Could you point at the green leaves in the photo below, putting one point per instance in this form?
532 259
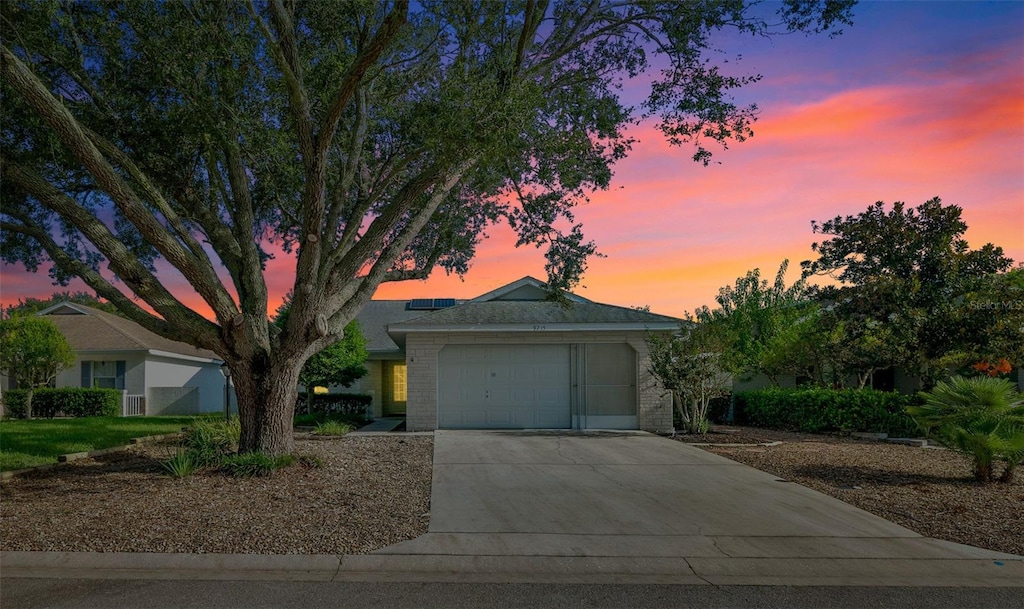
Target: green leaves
906 277
690 365
979 416
33 350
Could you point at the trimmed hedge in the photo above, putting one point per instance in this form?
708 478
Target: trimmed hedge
818 410
68 401
346 404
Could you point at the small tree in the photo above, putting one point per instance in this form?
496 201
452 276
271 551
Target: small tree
691 366
766 322
982 417
338 364
33 352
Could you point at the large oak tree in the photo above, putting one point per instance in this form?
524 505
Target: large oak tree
373 140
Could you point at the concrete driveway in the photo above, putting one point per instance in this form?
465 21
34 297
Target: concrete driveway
547 505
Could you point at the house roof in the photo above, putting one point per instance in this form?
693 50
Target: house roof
374 319
523 305
89 329
534 312
527 288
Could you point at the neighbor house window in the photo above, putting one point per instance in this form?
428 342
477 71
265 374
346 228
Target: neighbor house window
103 374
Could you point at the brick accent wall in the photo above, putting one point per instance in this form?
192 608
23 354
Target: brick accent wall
654 410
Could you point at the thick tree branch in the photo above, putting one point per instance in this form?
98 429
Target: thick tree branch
74 137
343 190
282 48
122 261
389 253
367 57
154 195
206 337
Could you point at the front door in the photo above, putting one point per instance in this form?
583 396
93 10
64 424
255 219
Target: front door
394 388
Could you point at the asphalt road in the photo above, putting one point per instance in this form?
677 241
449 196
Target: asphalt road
159 594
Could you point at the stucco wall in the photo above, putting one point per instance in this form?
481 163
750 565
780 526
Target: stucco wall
134 374
170 372
654 409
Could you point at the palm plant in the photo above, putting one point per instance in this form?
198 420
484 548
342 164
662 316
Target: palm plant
982 417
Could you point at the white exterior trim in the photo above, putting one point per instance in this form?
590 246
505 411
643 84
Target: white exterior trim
540 327
189 358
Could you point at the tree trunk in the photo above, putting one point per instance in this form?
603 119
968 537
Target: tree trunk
1007 476
983 470
28 403
266 405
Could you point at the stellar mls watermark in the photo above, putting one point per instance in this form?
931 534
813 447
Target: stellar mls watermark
998 305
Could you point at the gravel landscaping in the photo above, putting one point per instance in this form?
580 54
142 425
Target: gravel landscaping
930 491
370 492
374 491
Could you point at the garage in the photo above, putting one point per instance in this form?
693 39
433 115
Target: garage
504 387
519 357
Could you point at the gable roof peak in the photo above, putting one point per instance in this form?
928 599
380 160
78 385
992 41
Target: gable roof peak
527 288
66 307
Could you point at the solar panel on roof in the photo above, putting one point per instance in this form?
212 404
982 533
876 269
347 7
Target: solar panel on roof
421 304
444 303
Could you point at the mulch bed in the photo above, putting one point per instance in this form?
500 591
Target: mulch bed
929 491
370 492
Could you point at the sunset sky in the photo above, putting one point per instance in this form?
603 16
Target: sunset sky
915 100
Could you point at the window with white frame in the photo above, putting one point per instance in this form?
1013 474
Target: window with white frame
104 375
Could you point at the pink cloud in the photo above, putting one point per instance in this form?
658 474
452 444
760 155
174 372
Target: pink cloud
674 232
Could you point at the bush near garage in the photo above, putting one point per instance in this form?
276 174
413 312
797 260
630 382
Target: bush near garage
347 406
824 410
68 402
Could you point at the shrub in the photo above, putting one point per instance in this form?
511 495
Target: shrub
182 464
982 417
718 409
210 441
332 428
351 406
250 465
67 401
819 410
311 461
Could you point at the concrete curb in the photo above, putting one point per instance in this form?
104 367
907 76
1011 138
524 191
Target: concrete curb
519 569
127 565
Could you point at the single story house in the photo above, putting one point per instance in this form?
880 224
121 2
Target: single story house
513 358
159 376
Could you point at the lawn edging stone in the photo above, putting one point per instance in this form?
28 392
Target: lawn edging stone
68 458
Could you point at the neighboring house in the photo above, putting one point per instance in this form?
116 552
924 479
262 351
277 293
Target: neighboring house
513 358
117 353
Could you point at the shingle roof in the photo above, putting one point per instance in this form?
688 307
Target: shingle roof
374 319
91 329
534 312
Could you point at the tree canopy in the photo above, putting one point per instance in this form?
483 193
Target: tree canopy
32 351
905 276
373 141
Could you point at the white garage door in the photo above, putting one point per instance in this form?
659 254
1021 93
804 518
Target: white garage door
503 386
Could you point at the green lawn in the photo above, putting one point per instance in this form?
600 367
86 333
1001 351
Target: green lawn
39 441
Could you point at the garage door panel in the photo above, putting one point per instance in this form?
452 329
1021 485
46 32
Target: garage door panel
504 386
